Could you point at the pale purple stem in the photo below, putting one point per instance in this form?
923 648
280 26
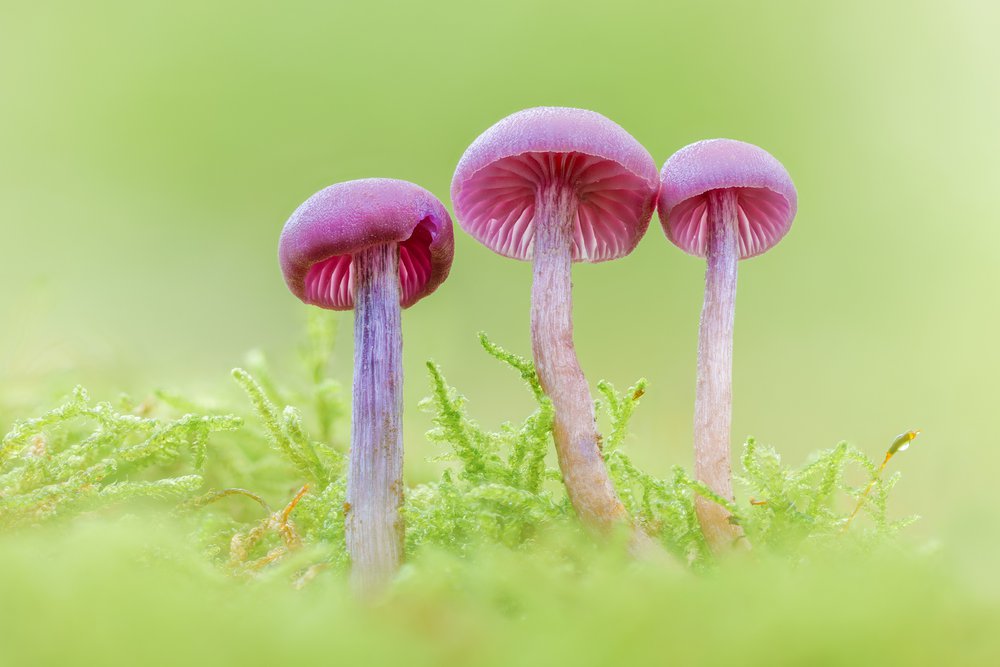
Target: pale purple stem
574 431
713 398
374 526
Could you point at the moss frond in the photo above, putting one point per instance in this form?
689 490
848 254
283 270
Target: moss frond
498 491
269 497
81 456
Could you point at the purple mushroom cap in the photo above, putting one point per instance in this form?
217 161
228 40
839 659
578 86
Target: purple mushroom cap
614 177
766 196
320 239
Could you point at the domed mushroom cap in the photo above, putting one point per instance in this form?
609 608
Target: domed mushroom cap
766 196
614 177
320 239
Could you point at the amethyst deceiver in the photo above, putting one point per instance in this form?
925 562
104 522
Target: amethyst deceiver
555 186
723 200
374 245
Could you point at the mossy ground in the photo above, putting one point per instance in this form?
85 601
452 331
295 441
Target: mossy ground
137 593
141 533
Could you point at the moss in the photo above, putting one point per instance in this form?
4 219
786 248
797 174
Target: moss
217 470
172 524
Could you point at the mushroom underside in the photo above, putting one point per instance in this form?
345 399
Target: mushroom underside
763 219
497 204
329 283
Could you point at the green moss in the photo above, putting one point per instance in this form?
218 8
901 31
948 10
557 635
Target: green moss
82 455
495 489
163 510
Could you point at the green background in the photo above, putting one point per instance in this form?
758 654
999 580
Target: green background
150 153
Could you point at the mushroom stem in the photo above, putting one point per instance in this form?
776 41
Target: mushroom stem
713 398
574 431
374 528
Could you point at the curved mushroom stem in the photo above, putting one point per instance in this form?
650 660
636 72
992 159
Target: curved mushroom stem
714 396
575 431
374 528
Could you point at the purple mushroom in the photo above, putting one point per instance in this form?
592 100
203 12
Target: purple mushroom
556 186
374 245
723 200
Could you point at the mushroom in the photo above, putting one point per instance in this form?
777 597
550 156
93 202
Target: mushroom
723 200
555 186
375 246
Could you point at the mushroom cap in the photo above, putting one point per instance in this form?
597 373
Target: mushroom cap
320 239
614 177
766 196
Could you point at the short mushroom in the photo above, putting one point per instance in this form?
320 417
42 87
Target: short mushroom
374 246
722 200
556 186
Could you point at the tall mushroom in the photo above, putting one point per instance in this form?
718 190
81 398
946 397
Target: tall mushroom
722 200
375 246
555 186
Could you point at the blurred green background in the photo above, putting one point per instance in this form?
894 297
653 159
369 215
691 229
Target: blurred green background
150 153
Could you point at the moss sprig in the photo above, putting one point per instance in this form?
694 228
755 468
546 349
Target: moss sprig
81 456
495 486
498 491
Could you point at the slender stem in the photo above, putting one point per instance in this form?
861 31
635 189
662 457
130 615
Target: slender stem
714 393
575 431
375 475
867 491
901 442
